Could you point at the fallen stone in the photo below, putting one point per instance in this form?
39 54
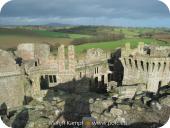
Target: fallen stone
91 100
120 120
119 101
140 109
115 96
165 101
57 112
39 99
156 105
146 100
116 112
57 99
108 114
97 107
98 99
124 107
60 104
95 115
107 103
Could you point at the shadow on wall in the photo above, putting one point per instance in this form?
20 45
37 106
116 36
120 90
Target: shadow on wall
21 119
76 98
4 114
3 109
116 67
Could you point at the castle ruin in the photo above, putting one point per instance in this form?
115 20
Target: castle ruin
32 70
149 65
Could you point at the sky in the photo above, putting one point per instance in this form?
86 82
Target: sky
135 13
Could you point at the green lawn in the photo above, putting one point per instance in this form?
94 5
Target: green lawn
110 46
59 34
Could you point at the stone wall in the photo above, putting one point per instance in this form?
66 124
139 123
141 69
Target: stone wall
44 71
7 62
42 51
11 86
142 68
61 58
11 91
26 51
67 69
71 58
30 51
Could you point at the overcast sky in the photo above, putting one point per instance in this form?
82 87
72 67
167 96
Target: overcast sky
150 13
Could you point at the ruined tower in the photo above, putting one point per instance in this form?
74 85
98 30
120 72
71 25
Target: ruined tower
141 66
71 58
26 51
61 59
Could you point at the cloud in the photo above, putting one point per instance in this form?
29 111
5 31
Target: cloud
62 10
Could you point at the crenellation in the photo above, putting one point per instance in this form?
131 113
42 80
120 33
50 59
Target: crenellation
61 58
71 58
141 66
149 67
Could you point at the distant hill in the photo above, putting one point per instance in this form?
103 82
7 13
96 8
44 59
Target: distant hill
58 25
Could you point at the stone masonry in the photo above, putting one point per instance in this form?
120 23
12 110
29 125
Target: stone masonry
148 65
33 70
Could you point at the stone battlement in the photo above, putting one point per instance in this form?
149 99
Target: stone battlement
35 68
141 65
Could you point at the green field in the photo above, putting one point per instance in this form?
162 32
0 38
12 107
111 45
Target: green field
11 37
111 46
39 33
45 33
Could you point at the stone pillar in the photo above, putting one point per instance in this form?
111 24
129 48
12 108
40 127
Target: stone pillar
100 78
161 67
106 79
141 47
61 59
35 85
152 84
127 46
71 58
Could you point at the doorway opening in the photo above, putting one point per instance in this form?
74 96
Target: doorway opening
44 82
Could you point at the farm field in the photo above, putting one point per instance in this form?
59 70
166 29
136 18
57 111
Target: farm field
112 45
11 37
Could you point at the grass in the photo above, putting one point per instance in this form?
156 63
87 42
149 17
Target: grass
39 33
59 34
11 41
10 38
76 36
112 45
45 33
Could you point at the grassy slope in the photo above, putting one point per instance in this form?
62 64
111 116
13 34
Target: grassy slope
59 34
114 44
10 38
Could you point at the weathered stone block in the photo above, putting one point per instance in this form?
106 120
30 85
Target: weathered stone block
116 112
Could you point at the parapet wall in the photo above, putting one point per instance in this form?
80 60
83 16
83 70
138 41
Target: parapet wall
150 70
